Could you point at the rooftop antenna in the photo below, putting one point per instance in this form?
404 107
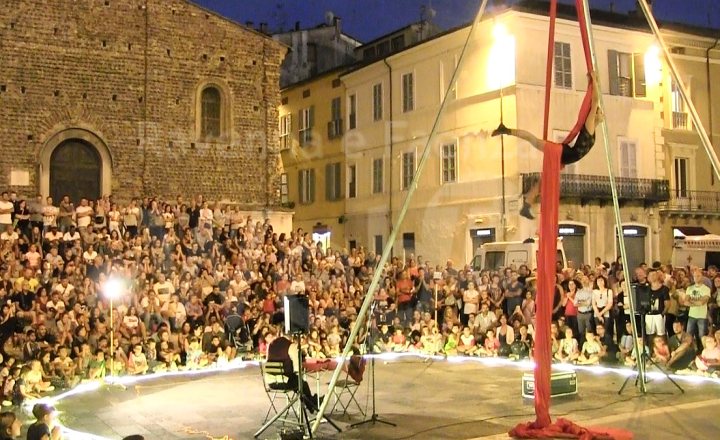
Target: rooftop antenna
329 18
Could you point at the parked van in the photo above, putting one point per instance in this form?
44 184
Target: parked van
698 250
501 254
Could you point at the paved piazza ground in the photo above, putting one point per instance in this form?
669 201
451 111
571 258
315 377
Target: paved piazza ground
427 399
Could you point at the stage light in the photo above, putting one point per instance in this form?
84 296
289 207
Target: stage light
501 63
653 65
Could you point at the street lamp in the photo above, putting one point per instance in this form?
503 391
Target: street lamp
112 290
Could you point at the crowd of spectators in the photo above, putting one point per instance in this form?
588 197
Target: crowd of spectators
201 284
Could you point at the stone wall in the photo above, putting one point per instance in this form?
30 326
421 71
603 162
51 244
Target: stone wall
130 72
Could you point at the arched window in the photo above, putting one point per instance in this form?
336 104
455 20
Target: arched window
211 113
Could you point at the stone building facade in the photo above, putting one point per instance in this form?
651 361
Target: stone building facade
137 97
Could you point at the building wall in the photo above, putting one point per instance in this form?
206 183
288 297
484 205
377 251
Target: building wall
505 57
698 61
321 214
129 74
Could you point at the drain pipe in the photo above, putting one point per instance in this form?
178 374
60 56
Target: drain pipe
391 145
709 87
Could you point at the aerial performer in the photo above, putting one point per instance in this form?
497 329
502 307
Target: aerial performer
571 152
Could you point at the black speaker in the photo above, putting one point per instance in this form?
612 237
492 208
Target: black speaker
297 314
641 297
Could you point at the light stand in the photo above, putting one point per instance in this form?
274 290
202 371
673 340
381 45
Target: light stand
644 357
374 417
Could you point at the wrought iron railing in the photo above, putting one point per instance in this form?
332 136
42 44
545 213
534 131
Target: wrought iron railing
598 187
692 201
680 120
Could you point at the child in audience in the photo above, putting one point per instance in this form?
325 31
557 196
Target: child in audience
590 353
467 345
568 351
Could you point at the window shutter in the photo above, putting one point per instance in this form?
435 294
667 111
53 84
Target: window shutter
312 186
312 117
613 72
639 75
336 174
301 186
328 182
288 123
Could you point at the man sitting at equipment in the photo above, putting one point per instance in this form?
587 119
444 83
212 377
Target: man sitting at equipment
571 153
283 350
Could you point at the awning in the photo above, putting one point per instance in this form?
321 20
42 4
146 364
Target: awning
687 231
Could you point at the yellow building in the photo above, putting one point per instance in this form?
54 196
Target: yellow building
311 131
471 188
694 205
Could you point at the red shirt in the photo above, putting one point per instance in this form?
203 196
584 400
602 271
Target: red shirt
404 288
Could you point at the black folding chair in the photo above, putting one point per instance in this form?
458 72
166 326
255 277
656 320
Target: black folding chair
238 334
348 387
276 384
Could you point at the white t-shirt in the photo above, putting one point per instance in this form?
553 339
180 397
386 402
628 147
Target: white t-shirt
83 220
6 218
50 214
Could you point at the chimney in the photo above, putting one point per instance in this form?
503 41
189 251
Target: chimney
337 22
264 28
297 25
249 24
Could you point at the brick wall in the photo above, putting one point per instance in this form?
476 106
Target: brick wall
130 71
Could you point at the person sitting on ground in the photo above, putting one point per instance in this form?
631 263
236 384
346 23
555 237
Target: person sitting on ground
709 360
631 360
570 153
569 351
608 347
590 353
43 428
466 344
9 426
682 348
137 362
661 351
491 346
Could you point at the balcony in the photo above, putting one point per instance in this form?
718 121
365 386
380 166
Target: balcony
588 188
680 120
692 203
335 129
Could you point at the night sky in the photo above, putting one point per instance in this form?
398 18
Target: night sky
369 19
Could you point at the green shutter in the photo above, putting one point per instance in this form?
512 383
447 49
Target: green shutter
301 192
328 182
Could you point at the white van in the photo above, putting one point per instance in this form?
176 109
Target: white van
502 254
698 250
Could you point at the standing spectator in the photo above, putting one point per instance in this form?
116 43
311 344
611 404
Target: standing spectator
36 212
471 301
50 215
6 211
22 217
132 218
583 301
696 298
659 302
602 303
84 214
66 213
404 297
513 294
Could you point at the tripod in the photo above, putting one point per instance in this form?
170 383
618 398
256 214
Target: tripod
374 417
302 413
645 358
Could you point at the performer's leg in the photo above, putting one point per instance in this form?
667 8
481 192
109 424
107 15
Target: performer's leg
522 134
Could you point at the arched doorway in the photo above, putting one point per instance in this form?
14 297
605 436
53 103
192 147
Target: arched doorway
75 170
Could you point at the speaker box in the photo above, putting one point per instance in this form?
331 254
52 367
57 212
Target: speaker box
297 314
641 297
562 383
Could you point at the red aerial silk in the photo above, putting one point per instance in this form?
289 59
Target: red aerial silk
543 427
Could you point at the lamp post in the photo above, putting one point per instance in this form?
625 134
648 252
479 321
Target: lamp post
112 289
